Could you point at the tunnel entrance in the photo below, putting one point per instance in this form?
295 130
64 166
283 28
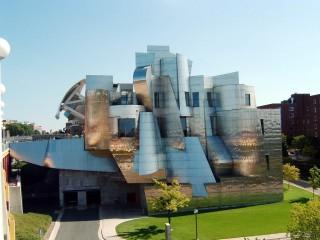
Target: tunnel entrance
70 198
93 197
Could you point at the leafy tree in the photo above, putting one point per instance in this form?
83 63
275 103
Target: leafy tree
304 221
36 132
300 142
20 129
290 173
314 179
171 198
306 145
309 150
284 145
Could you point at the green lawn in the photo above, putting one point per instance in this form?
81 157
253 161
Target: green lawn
28 225
247 221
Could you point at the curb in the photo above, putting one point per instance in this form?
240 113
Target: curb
51 235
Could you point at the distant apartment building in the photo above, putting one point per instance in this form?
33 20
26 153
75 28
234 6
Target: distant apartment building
300 115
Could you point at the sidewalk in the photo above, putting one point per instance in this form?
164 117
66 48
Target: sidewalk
277 236
111 217
303 185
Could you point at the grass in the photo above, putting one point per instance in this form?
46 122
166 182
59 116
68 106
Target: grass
240 222
28 225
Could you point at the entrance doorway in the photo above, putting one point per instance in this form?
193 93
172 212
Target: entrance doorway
70 198
93 197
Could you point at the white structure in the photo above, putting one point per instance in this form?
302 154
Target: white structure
4 52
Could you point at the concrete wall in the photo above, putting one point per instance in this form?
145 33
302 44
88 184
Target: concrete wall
15 199
112 187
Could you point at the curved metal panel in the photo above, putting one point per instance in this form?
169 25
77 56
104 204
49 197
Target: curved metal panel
150 157
142 85
72 95
62 154
168 114
97 131
190 166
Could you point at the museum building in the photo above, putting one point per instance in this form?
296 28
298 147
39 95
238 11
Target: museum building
204 131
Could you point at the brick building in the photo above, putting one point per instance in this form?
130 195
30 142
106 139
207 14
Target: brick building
300 115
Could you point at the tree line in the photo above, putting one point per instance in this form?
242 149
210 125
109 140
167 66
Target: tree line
21 129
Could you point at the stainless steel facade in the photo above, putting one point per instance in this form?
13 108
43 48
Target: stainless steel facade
204 130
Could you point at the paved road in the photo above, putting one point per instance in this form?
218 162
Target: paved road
79 225
111 217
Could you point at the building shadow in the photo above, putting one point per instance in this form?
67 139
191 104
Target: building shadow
78 215
142 233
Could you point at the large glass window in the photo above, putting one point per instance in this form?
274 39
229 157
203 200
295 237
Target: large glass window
126 127
187 96
209 97
247 99
156 100
124 98
262 126
213 121
184 125
162 127
217 99
195 99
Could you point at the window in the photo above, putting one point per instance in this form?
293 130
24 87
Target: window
124 99
162 127
218 99
209 97
184 125
247 99
195 99
267 162
126 127
156 100
187 96
262 126
213 121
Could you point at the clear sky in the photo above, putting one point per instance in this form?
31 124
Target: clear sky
274 44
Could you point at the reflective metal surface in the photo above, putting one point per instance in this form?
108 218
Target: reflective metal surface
97 131
168 114
203 130
142 85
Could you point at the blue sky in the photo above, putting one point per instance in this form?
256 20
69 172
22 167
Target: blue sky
274 44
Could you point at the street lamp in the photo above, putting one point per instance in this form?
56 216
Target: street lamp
4 52
195 211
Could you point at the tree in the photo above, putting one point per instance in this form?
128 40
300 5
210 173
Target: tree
300 142
290 173
171 198
314 179
21 129
284 145
309 150
304 221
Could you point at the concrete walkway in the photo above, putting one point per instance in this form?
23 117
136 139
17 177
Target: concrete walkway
277 236
78 224
303 185
111 217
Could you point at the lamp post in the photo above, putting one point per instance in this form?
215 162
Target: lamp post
4 52
195 211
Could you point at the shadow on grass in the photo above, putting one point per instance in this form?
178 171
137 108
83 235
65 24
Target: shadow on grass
142 233
300 200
